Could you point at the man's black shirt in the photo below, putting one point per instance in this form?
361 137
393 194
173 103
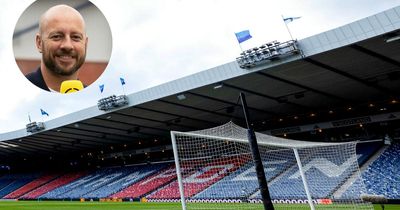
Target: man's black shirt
36 78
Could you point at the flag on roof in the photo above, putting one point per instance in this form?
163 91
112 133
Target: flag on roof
122 81
101 88
44 112
243 36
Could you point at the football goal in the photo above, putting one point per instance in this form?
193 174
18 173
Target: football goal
215 170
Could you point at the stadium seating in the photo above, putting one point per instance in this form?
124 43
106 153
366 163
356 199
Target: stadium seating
102 182
67 178
198 177
366 150
382 176
218 179
130 175
358 187
32 185
148 184
325 174
82 185
243 182
12 182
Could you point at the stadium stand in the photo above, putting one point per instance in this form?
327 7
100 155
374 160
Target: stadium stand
83 185
353 187
102 183
12 182
32 185
148 184
67 178
130 175
243 182
196 181
367 149
204 180
382 176
289 185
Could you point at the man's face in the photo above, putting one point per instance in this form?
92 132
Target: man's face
63 43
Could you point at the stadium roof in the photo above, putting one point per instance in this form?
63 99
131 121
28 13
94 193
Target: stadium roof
351 66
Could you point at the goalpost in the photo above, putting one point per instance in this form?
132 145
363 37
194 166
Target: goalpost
215 171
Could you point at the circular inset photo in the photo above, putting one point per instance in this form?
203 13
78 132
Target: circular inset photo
62 46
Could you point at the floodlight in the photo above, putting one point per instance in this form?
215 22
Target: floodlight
112 102
34 127
268 52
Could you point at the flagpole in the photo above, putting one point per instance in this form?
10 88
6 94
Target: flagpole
241 48
287 27
123 89
122 81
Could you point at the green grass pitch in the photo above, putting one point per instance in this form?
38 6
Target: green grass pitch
53 205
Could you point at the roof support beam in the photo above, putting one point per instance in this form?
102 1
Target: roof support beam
122 139
157 121
201 110
55 144
56 139
19 150
264 96
231 103
306 87
350 76
133 125
38 149
375 54
177 115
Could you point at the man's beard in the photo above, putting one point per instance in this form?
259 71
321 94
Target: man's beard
51 64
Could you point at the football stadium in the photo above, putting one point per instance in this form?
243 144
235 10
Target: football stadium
325 110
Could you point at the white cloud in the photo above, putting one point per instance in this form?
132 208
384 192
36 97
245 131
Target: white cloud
15 93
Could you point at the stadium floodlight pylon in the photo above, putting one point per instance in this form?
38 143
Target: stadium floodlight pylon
215 171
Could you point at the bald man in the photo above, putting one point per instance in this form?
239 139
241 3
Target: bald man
62 41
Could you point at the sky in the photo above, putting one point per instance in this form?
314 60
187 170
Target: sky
156 41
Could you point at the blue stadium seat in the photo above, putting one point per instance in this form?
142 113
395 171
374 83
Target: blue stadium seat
102 183
382 176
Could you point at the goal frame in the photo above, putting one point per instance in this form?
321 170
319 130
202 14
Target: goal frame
179 174
295 146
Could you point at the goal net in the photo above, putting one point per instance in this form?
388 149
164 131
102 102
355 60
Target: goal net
215 170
